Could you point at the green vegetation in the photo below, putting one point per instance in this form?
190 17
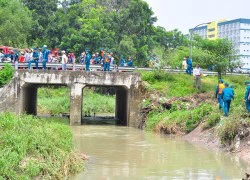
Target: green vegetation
211 120
36 148
16 23
6 74
176 85
124 27
228 130
189 108
57 101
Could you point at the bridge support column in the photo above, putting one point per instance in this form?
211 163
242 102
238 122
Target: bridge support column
76 104
122 107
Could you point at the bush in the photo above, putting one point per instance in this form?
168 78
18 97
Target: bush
228 131
196 116
211 120
6 74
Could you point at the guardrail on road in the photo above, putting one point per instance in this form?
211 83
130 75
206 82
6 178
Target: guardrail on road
57 66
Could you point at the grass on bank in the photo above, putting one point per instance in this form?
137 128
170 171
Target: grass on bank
184 120
57 101
36 148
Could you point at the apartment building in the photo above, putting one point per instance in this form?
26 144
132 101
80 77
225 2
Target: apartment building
237 30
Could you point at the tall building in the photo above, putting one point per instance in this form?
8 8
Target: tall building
237 30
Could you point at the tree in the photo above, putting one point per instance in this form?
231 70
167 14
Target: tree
41 12
126 47
16 21
202 57
169 39
224 56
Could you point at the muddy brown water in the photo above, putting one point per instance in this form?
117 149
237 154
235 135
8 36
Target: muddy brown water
129 153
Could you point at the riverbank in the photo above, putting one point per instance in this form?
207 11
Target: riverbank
173 106
208 138
36 148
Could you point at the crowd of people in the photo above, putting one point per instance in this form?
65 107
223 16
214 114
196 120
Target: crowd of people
224 92
44 56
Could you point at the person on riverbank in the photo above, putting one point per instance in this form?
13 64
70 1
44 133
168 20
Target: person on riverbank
247 96
227 95
218 93
64 61
35 58
197 76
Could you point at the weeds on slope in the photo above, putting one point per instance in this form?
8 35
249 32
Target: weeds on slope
32 147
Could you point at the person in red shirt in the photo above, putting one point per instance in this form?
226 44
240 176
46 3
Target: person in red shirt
21 58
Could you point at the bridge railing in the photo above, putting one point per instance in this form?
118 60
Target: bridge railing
57 66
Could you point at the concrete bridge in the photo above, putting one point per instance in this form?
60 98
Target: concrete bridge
20 95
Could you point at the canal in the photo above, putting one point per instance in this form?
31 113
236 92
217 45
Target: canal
129 153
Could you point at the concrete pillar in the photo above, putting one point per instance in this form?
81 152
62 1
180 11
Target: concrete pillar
122 106
29 100
76 104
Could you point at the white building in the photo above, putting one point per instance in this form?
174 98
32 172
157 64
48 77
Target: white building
237 30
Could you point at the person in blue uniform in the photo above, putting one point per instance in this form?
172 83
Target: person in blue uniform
247 96
45 53
16 58
130 62
227 95
122 61
189 66
35 58
218 93
107 62
87 60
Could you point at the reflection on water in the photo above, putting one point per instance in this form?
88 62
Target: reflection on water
129 153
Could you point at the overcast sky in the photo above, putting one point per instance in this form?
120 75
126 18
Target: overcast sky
186 14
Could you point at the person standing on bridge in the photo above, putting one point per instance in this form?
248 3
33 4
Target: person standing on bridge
34 59
130 62
27 55
16 58
46 53
64 61
87 60
106 62
122 61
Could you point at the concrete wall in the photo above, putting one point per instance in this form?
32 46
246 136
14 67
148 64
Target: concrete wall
9 97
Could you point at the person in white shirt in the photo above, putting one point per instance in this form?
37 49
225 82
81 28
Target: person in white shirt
197 72
64 60
184 63
27 55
